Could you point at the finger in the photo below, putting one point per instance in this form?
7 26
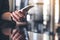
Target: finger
16 36
15 16
17 13
19 37
13 33
21 12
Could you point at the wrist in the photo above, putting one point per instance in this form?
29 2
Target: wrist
6 16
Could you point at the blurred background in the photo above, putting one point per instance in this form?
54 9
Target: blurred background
43 19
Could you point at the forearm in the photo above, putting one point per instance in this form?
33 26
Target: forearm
6 21
6 16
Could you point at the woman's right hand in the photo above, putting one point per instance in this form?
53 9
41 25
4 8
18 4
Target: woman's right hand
19 15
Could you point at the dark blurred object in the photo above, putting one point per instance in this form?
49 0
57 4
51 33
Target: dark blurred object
7 24
58 30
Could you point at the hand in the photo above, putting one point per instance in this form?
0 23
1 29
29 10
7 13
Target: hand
19 15
17 35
